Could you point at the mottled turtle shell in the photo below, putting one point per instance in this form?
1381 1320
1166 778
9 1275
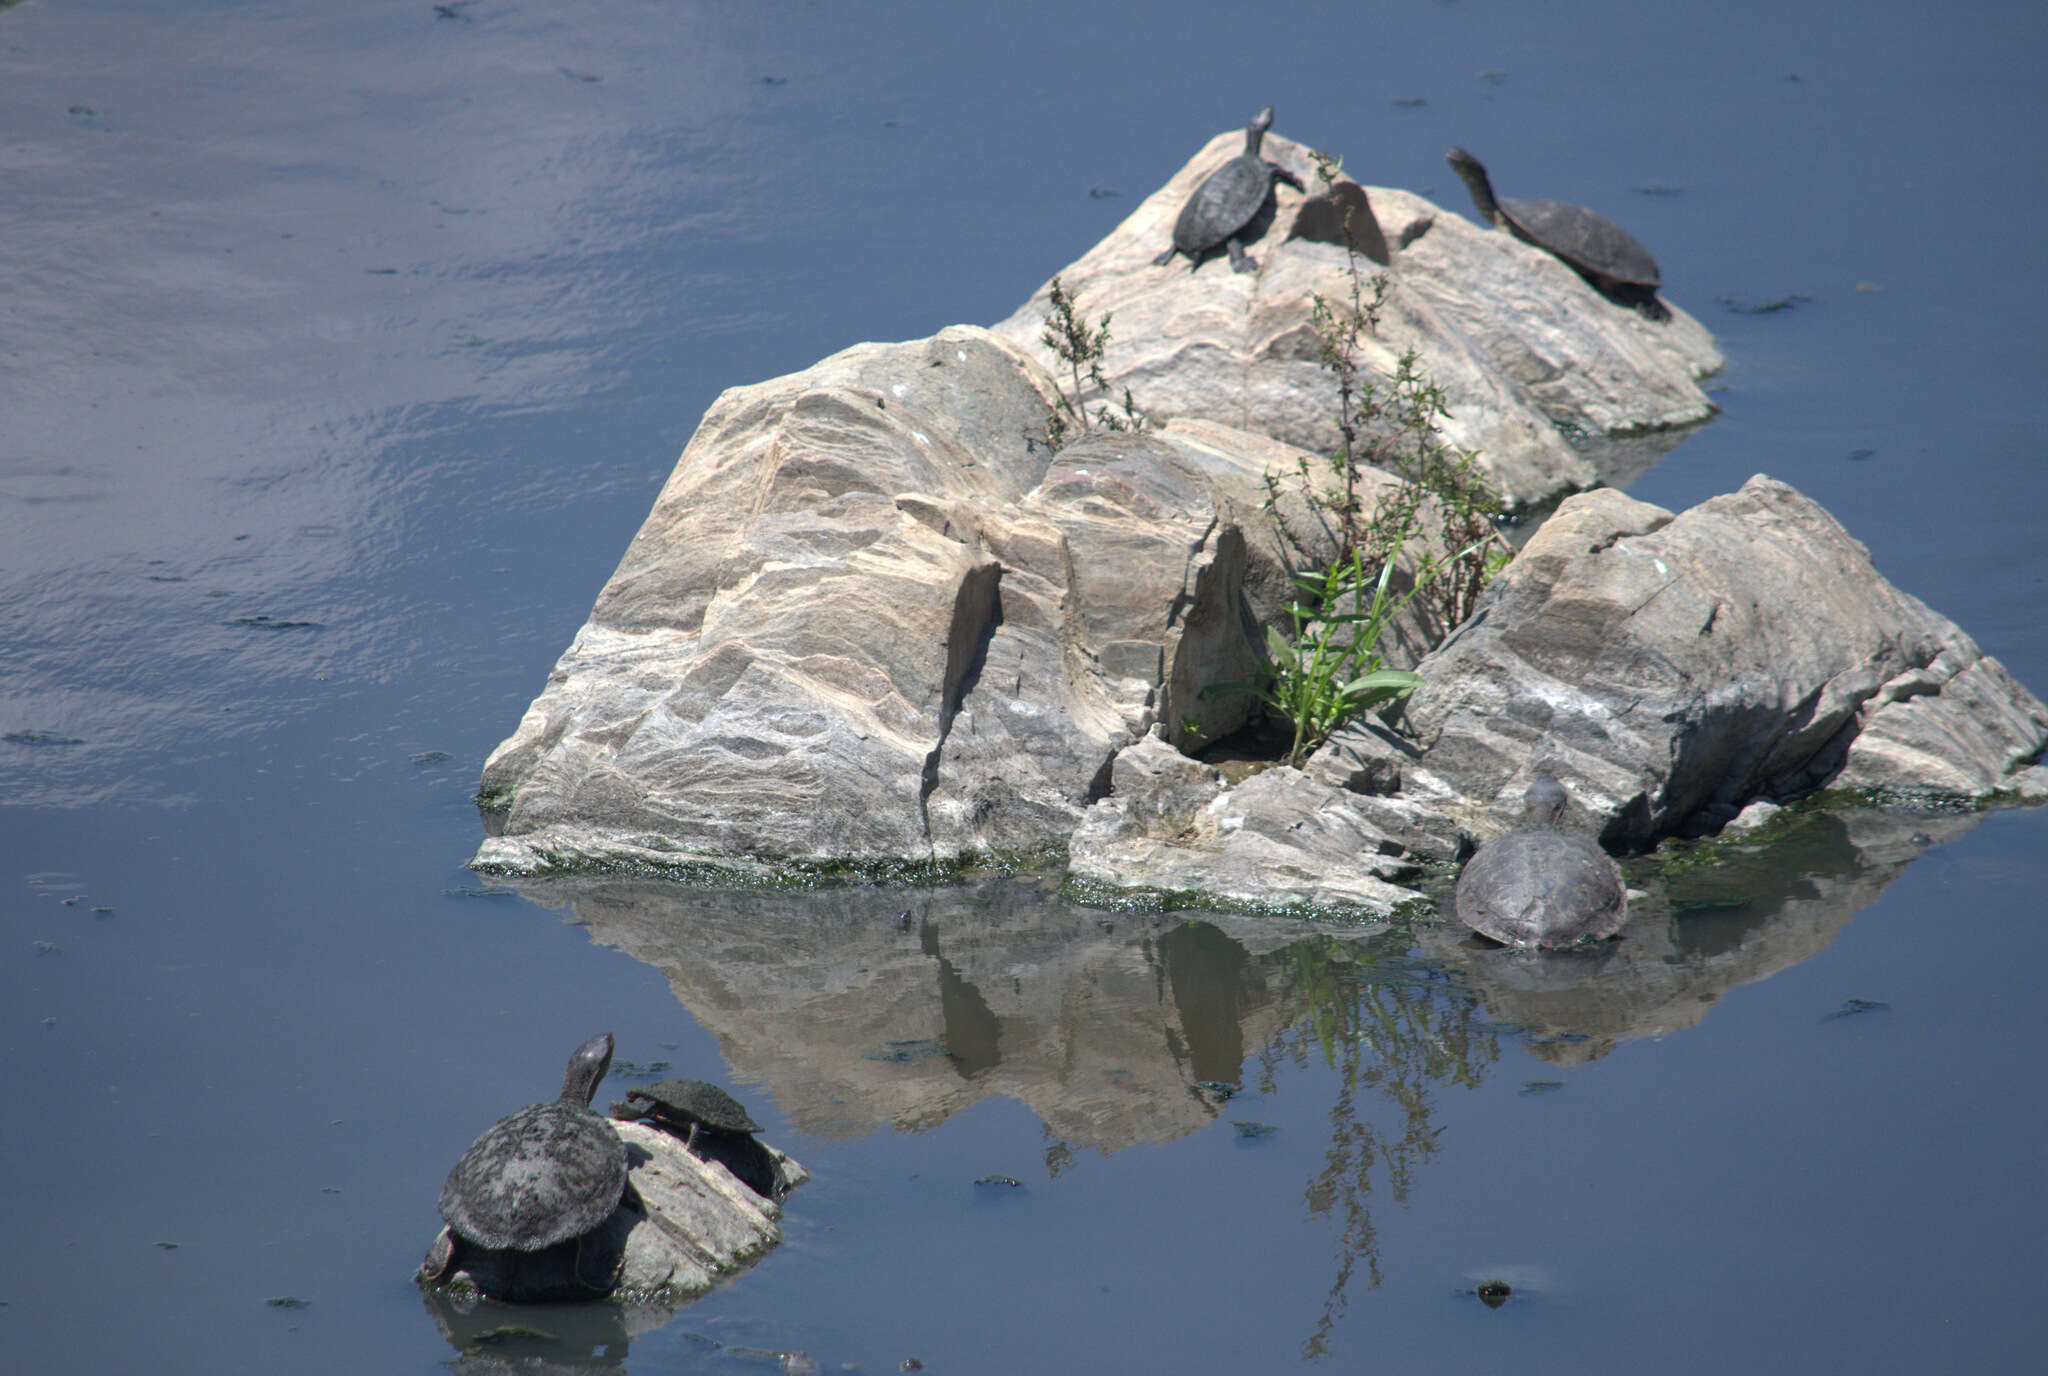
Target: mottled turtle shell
1541 885
543 1175
681 1104
1229 198
1592 245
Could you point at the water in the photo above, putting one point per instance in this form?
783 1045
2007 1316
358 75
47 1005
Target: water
390 325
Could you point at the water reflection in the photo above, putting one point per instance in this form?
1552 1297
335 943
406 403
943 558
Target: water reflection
856 1013
1715 917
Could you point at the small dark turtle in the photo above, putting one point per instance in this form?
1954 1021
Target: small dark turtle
713 1125
1226 204
1541 885
1590 244
544 1175
686 1107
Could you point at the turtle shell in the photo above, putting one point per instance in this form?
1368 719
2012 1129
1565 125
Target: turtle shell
1586 239
683 1103
540 1176
1223 204
1540 884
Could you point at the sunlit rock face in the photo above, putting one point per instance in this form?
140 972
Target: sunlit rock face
873 618
1531 358
1677 667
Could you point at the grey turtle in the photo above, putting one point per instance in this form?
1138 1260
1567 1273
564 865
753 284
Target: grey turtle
686 1107
1599 250
542 1176
1227 203
1540 884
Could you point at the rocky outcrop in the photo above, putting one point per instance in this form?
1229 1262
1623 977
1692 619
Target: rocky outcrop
875 621
872 618
1677 668
1534 363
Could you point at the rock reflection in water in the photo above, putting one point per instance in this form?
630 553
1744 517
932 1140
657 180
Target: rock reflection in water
1114 1030
1716 916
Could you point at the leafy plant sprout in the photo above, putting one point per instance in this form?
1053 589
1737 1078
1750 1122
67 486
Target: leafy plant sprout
1080 346
1331 669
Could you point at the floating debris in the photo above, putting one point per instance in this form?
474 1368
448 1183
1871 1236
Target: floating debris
39 738
1859 455
1532 1087
427 757
1771 307
288 1302
1851 1007
1410 102
575 75
1102 193
168 1246
1248 1131
1493 1293
275 623
1217 1088
1010 1180
1659 189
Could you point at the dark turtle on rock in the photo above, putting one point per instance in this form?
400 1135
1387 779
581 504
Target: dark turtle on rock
1599 250
1226 205
540 1177
685 1107
713 1125
1541 884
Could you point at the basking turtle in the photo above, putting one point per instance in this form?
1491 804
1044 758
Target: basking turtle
686 1107
1590 244
1541 885
1226 204
713 1126
542 1176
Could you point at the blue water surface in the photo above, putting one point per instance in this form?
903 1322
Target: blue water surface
342 350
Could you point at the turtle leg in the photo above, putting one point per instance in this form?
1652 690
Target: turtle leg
690 1142
440 1259
1281 174
1167 257
1240 261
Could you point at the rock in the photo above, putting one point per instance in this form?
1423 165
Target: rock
1675 669
1279 841
685 1224
1530 357
872 620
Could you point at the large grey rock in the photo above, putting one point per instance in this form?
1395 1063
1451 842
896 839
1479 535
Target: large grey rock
1677 668
1530 357
871 618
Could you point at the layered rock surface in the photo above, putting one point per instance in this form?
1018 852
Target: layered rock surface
874 620
1529 356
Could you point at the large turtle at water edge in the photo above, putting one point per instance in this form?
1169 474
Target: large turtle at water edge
1227 203
541 1177
1540 884
1599 250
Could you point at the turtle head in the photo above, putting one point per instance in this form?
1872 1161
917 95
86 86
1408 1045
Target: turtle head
586 1068
1544 803
1256 130
1477 182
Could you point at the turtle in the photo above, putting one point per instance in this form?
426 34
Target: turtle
1228 202
1599 250
713 1125
1541 884
687 1107
538 1178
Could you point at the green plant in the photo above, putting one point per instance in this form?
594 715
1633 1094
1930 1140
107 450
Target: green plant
1391 424
1068 334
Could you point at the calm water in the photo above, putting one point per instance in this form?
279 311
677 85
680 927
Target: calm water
343 349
